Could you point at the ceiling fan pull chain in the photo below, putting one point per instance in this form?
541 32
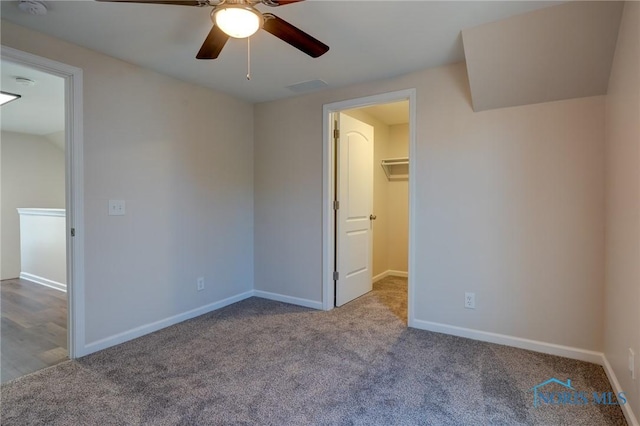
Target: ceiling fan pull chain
248 58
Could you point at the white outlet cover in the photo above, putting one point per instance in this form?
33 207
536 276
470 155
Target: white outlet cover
470 300
116 208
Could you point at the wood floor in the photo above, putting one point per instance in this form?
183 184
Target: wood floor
34 327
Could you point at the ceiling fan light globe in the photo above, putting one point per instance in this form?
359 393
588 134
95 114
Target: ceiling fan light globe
237 22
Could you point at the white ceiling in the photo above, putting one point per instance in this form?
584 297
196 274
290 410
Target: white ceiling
40 110
369 40
390 114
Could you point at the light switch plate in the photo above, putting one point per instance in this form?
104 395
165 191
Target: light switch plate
116 208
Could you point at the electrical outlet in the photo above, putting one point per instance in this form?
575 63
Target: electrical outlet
470 300
116 208
200 283
632 363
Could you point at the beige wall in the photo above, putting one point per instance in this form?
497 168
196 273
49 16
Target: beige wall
509 205
32 176
181 158
622 289
398 203
398 140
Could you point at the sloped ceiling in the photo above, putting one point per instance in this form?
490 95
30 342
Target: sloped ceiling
561 52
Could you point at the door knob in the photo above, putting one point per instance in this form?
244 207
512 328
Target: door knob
373 217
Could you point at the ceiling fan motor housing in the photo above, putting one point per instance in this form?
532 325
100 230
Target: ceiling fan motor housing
237 20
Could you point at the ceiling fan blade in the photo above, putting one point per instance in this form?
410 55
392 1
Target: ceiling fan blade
276 3
177 2
294 36
213 44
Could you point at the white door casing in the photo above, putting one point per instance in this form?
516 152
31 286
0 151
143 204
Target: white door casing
354 251
329 110
74 182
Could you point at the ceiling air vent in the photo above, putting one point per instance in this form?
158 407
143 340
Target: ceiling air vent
308 86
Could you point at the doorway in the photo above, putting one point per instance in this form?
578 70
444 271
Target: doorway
49 225
353 260
33 288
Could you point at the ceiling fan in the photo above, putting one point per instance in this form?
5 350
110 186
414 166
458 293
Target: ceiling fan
240 19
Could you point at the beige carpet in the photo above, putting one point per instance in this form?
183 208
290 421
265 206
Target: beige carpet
260 362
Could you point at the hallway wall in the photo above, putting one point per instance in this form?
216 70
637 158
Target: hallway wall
32 175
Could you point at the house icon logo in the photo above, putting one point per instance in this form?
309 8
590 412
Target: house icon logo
537 387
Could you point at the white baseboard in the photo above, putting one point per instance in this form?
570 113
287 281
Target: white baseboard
390 273
517 342
134 333
379 277
288 299
615 384
43 281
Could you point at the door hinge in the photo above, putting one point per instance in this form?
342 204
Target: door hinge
336 134
336 204
73 232
336 276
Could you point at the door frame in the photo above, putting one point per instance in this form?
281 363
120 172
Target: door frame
74 188
328 180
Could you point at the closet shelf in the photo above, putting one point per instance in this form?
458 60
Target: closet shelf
396 168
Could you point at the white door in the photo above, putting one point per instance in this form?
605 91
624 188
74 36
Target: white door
354 192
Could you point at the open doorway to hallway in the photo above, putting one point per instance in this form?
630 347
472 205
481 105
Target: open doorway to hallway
34 235
370 154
